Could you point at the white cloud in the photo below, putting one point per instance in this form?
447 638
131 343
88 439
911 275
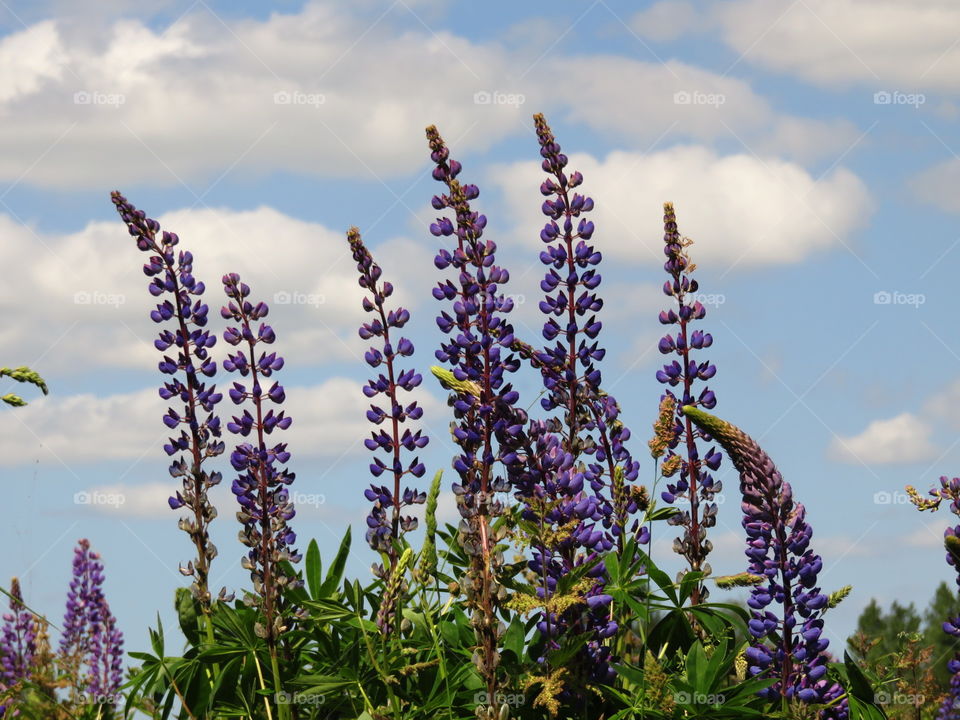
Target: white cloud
82 299
29 58
883 44
937 185
901 439
669 19
739 209
328 421
324 91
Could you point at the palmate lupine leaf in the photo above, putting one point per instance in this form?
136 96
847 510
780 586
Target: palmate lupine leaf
24 375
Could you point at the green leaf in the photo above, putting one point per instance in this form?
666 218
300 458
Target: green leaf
188 613
335 573
859 687
314 567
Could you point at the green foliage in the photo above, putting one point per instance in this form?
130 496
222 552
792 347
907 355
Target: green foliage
22 375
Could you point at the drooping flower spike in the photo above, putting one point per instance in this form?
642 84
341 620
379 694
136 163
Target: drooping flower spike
694 481
184 317
385 522
790 646
261 487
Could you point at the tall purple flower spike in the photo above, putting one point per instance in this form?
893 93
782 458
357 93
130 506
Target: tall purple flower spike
383 528
184 317
89 629
488 427
18 644
261 487
694 481
587 465
790 648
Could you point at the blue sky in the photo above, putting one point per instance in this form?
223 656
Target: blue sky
810 148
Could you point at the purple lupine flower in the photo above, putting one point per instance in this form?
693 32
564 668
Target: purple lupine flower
488 425
580 495
261 486
18 644
694 482
571 303
90 636
381 528
790 648
184 317
949 490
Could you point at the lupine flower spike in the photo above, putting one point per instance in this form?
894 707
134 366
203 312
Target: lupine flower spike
791 647
487 426
90 636
184 317
385 521
694 482
261 486
18 645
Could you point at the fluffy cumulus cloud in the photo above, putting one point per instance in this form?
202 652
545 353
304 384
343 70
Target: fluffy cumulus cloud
881 44
70 431
87 293
905 438
329 90
741 210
